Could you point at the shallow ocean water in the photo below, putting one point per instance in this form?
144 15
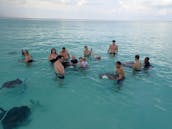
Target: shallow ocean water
82 100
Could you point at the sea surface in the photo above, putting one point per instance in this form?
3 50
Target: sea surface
83 100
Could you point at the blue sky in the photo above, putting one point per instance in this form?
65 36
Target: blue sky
88 9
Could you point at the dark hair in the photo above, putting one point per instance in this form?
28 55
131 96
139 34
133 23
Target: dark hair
80 58
118 62
147 58
63 48
85 46
23 51
26 51
52 50
137 57
113 41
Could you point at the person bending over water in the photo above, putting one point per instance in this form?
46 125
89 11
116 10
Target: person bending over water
27 56
59 68
64 53
137 64
113 48
120 74
87 52
74 61
53 56
147 64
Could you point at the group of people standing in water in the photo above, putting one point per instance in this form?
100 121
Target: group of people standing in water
62 60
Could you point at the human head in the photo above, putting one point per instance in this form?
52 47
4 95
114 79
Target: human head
118 64
80 59
86 47
147 59
53 51
63 48
73 57
113 41
137 57
25 52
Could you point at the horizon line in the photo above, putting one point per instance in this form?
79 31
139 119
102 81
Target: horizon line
84 19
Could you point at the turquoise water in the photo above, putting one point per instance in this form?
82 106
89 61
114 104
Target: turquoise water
83 101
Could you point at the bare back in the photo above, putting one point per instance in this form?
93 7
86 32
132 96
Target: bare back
59 68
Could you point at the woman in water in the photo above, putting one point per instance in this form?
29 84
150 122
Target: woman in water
27 56
147 64
53 56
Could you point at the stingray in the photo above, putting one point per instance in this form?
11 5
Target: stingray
12 84
14 117
12 53
110 76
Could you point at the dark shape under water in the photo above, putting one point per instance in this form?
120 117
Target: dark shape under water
12 84
12 53
110 76
14 117
128 64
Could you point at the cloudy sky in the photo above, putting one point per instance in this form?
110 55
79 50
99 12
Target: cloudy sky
88 9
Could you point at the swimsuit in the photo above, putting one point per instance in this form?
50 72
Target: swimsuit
120 80
53 60
112 53
30 61
60 76
75 61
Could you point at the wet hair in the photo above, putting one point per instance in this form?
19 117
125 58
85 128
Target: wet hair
118 62
147 58
22 52
80 58
63 48
137 57
85 46
26 51
113 41
52 50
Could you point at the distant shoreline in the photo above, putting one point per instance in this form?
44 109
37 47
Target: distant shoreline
96 20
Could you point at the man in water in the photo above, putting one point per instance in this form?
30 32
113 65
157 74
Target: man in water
137 64
119 72
113 48
74 61
87 52
59 68
64 53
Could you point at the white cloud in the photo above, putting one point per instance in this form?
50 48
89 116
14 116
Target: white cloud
104 9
